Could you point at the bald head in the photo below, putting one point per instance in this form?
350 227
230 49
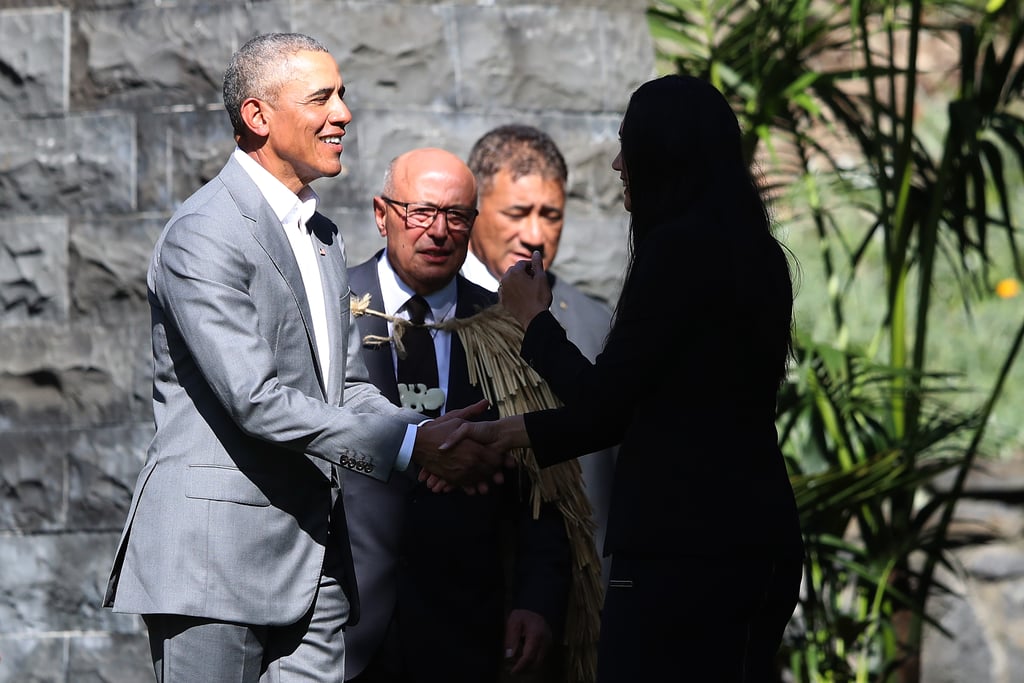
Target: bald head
425 213
415 164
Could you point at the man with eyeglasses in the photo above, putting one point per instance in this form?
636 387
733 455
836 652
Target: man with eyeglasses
430 566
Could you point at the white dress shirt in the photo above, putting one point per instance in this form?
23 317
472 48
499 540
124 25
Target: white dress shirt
442 307
475 271
294 211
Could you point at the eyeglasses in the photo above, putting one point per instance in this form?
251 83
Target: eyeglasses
418 215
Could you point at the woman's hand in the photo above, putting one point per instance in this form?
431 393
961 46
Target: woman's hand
524 290
499 436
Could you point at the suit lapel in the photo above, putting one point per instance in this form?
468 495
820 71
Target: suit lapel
460 391
330 251
378 359
267 231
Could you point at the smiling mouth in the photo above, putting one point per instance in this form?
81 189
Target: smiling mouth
332 139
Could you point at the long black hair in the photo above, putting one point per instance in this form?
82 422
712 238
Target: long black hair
683 156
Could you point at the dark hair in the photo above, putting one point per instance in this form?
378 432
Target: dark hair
259 68
522 150
682 151
681 146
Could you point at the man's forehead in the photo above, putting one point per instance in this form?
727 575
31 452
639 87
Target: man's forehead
534 186
311 71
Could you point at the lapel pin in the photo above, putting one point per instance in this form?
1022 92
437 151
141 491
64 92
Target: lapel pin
323 252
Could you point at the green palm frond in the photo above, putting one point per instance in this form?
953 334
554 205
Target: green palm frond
827 94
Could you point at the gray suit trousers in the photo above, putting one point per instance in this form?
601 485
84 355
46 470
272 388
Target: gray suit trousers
192 649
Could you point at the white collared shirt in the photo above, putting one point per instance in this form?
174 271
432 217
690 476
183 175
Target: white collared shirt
442 307
475 271
294 211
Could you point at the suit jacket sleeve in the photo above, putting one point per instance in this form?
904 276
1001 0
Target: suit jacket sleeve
600 398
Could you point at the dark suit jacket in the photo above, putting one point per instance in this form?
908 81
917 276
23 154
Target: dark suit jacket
687 384
435 560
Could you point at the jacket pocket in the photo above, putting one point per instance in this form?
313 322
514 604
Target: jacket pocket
228 484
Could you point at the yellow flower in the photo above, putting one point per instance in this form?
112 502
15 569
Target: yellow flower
1007 288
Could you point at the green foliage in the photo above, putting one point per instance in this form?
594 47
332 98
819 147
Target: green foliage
830 98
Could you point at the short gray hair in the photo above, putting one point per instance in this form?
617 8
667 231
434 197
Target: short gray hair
257 69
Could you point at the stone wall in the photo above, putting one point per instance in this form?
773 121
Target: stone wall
110 116
983 612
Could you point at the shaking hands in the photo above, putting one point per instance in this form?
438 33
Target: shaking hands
455 452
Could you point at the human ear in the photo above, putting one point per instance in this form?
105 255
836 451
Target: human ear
380 212
256 116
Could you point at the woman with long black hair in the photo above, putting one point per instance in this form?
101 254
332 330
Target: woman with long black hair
703 529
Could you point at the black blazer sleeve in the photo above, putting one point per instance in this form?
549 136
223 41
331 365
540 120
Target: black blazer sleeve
648 369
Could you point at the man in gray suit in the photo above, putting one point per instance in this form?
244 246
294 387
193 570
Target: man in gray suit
521 176
235 550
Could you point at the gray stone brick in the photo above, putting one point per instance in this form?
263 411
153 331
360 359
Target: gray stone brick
55 582
589 143
33 481
375 137
68 376
389 55
179 151
639 5
102 468
34 60
386 133
117 658
359 231
31 659
1011 635
107 271
968 657
158 56
530 58
33 269
629 59
592 251
81 164
29 396
996 561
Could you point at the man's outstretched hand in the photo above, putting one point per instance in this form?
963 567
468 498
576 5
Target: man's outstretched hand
465 463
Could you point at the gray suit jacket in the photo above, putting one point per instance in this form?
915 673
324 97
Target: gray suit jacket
231 512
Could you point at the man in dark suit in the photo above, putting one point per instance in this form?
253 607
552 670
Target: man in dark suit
235 549
521 176
429 565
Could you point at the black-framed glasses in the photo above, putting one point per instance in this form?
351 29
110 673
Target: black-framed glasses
420 215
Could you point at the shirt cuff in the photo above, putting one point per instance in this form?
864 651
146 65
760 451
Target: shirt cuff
405 452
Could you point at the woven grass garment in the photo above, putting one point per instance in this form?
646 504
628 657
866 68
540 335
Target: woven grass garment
492 339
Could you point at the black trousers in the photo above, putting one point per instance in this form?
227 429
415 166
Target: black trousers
701 619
